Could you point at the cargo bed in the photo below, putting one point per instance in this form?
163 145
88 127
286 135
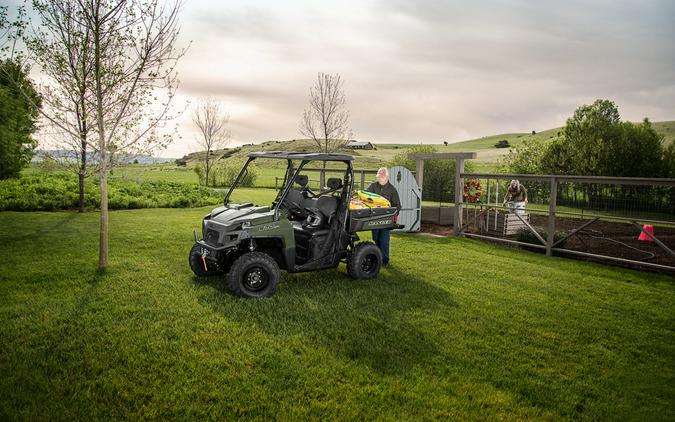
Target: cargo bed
372 218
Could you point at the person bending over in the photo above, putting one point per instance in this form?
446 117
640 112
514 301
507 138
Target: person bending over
516 196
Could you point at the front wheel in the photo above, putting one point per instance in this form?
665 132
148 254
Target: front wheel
254 274
365 261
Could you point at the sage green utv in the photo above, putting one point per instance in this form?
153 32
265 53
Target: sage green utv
303 229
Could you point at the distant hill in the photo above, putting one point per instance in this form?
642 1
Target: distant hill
64 154
488 153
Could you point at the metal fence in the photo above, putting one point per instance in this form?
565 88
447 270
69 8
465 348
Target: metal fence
625 220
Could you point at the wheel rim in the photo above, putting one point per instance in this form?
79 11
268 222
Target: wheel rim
369 263
256 279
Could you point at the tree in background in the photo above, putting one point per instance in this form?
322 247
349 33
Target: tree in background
19 110
326 121
669 161
212 124
61 46
594 142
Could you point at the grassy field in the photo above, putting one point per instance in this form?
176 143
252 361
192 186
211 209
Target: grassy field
453 329
487 161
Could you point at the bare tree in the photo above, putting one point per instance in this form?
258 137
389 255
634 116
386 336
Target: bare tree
134 56
212 123
326 121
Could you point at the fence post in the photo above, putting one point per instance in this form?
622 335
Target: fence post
363 180
551 216
419 172
322 179
459 191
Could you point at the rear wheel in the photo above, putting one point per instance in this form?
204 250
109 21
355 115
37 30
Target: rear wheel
254 274
365 261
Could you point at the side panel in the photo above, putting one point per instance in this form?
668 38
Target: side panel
371 218
281 229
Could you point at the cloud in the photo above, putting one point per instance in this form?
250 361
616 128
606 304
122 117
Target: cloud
430 70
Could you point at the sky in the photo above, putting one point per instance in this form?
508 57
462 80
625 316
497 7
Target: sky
425 71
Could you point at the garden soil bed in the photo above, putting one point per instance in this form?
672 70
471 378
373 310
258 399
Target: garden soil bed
615 239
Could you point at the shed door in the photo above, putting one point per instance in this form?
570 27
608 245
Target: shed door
411 198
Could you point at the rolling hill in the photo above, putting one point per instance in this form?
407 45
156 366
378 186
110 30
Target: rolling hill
488 154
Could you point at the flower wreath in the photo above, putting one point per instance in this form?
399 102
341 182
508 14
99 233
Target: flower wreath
472 190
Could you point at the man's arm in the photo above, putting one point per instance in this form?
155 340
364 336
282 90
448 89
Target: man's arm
395 200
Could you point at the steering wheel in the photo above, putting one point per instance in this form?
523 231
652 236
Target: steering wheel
307 191
294 208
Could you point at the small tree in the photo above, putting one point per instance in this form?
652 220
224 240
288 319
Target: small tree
134 56
212 124
326 121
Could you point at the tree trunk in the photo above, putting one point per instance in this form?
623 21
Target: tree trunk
81 186
208 168
83 169
103 240
102 144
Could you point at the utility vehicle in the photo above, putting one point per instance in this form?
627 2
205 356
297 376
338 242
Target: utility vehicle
304 229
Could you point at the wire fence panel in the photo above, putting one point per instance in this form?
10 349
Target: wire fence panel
625 220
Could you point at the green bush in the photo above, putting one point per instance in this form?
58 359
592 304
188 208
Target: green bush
227 172
58 191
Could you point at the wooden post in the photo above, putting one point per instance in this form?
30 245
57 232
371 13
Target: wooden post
322 179
551 216
459 195
419 172
363 179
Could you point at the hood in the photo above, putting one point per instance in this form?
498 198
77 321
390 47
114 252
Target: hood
236 214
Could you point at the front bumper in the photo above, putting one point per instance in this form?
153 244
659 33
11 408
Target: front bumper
217 255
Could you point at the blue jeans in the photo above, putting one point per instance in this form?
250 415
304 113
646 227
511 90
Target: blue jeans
381 239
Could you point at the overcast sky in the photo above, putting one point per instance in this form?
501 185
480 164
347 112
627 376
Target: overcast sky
426 71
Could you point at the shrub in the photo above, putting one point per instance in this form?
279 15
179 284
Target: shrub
58 191
226 173
200 172
502 144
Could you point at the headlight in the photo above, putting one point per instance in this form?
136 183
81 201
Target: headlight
246 225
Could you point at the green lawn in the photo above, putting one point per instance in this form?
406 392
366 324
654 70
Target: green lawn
454 329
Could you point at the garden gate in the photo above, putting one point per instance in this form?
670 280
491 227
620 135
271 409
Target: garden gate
411 198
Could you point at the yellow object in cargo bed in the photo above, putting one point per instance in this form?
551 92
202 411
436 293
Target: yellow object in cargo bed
362 199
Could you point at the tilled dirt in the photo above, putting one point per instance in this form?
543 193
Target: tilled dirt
609 238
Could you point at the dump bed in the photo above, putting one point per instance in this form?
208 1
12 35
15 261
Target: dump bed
372 218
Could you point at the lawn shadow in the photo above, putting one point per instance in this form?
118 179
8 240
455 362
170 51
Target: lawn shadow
39 228
379 323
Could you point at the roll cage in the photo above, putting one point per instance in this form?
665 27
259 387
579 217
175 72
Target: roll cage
292 173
